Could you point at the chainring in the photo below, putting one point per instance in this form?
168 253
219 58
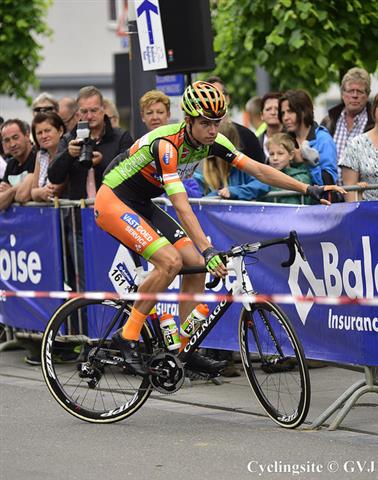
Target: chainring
167 373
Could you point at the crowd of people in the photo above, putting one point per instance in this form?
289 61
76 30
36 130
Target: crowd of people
71 144
41 161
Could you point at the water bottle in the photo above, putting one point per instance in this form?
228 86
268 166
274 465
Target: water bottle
194 320
170 331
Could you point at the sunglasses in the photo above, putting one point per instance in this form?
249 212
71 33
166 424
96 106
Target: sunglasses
44 109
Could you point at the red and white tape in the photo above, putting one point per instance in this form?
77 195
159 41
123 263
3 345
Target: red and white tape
196 297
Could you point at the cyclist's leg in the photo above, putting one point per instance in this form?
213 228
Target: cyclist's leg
190 256
191 283
132 230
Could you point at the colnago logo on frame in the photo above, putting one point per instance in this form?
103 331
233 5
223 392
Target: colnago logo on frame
353 277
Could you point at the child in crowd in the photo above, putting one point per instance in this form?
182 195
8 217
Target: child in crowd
219 178
281 149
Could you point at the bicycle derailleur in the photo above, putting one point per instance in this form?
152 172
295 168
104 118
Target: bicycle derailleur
166 373
91 371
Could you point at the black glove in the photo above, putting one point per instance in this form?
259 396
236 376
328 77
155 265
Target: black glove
212 258
315 192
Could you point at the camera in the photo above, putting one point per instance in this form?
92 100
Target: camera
83 134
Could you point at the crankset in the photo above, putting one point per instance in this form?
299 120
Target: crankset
166 373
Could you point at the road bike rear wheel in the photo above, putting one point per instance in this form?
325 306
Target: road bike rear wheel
275 364
107 391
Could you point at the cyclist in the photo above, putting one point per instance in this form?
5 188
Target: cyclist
156 163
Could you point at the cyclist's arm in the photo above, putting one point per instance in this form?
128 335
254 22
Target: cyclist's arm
193 228
189 221
267 174
262 172
166 159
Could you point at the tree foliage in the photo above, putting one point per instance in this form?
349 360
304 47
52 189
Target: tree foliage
22 25
300 43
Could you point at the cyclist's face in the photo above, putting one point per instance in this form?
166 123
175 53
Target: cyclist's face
204 131
155 115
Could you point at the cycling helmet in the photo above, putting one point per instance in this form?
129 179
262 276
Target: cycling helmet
203 99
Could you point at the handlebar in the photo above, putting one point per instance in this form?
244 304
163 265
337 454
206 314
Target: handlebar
292 242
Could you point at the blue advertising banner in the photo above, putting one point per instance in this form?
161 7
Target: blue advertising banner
341 244
30 259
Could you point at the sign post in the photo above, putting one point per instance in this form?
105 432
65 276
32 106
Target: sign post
140 80
150 33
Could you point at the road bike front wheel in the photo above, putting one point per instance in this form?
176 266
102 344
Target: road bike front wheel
82 368
274 362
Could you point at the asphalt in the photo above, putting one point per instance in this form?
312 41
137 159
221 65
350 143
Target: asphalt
204 431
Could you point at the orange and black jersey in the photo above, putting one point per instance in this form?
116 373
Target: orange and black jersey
160 160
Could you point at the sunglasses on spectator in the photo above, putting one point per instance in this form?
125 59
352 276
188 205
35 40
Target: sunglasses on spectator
44 109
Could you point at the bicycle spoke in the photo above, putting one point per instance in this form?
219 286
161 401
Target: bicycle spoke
95 387
278 374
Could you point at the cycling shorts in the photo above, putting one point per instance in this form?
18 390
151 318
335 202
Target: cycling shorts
142 227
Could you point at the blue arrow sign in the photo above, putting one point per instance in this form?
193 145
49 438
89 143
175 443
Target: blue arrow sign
148 7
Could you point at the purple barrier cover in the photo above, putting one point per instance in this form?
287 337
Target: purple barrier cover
341 245
30 259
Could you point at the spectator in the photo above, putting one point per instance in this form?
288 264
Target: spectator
222 179
68 112
45 103
249 143
254 107
82 180
155 109
281 150
107 143
112 112
47 130
352 116
360 159
269 114
314 145
18 176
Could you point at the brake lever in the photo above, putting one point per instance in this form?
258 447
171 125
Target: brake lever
213 283
293 243
299 246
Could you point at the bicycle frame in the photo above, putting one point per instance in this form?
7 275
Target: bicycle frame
241 284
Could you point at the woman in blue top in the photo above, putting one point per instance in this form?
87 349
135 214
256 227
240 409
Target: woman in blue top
315 146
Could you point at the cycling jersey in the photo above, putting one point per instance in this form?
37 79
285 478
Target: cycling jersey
155 163
160 160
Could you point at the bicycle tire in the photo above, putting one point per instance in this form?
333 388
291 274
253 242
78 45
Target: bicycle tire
118 393
275 364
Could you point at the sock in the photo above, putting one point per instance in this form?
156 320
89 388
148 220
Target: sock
184 341
132 328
